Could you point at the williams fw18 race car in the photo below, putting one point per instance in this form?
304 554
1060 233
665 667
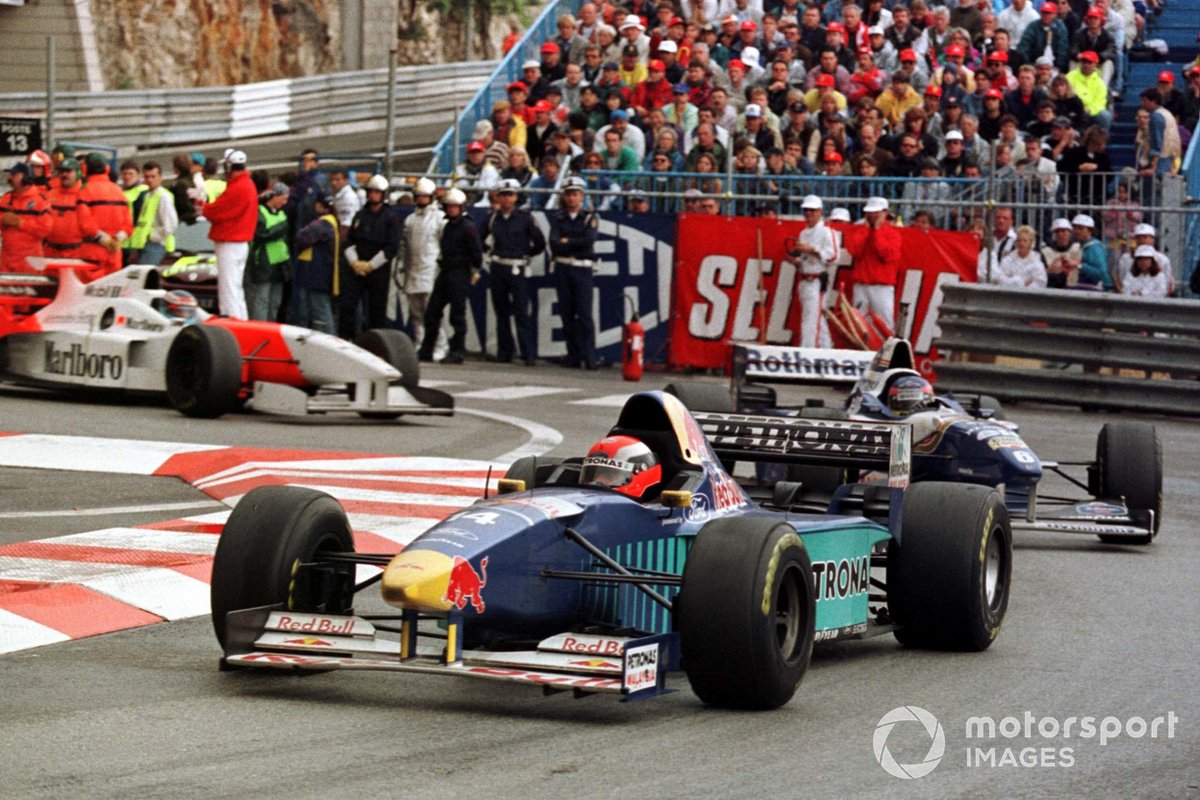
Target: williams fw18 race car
124 332
966 439
600 574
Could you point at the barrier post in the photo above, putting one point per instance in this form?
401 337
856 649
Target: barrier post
391 113
50 59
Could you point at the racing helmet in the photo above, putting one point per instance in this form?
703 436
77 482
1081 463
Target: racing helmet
179 304
624 464
909 394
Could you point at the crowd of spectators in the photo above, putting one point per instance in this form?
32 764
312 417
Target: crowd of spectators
732 106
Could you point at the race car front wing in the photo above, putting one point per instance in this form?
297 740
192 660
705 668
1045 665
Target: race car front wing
367 397
634 667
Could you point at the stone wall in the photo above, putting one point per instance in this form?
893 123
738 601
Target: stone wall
146 44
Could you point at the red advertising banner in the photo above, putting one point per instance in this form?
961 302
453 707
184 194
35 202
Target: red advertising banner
731 283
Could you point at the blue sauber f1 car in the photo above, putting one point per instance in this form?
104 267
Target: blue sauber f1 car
966 439
567 581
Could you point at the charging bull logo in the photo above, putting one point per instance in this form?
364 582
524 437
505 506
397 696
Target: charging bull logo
466 584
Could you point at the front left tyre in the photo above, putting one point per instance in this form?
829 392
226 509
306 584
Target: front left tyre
270 555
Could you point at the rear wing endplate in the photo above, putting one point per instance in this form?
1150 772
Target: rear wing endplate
792 440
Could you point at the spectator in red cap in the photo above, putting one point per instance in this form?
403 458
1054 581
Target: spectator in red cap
518 100
1172 98
1048 36
538 135
654 92
552 67
914 68
475 176
835 40
747 37
868 79
823 86
1092 37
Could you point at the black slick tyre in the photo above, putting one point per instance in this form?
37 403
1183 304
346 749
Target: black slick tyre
395 348
272 530
697 396
746 613
948 576
204 371
986 401
1129 463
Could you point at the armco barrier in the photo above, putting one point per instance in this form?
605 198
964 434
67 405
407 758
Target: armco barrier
146 118
1074 334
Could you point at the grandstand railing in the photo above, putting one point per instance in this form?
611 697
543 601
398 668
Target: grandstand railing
147 118
450 149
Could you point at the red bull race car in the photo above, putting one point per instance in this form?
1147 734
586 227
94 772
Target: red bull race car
123 332
963 438
601 574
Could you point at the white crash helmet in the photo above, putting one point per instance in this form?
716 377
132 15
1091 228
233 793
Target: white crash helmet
454 197
508 186
424 187
378 183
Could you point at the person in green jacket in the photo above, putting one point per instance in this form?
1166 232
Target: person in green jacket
1093 270
267 266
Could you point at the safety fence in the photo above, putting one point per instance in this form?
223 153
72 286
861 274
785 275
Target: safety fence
1077 348
450 149
1191 173
156 117
1117 202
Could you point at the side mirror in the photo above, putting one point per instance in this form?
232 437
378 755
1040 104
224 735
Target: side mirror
509 485
676 499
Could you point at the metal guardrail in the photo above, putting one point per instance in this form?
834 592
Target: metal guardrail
157 117
1073 334
1191 173
451 148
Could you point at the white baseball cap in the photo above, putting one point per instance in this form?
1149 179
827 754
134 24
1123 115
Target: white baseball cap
632 21
839 215
753 110
876 204
750 56
812 201
954 136
1144 251
235 157
667 46
1060 224
875 30
1083 221
1144 230
531 63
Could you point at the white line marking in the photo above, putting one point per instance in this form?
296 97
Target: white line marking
542 440
607 401
109 510
157 541
441 384
91 454
514 392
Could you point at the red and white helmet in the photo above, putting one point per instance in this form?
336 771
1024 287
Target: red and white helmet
624 464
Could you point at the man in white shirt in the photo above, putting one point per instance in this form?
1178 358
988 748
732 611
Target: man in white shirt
1003 240
1016 18
815 253
345 200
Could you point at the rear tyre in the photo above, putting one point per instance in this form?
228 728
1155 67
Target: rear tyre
703 396
1129 463
272 530
746 613
204 371
949 574
395 348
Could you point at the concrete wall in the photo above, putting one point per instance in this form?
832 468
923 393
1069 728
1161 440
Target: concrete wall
23 32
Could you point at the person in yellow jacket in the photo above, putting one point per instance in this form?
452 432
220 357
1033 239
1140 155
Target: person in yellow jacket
134 191
154 226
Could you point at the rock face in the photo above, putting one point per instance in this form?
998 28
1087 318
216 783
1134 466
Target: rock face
147 44
179 43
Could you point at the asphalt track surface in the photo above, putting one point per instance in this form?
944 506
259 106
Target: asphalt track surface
1092 630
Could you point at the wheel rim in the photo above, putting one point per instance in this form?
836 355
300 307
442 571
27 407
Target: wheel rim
791 614
185 371
993 570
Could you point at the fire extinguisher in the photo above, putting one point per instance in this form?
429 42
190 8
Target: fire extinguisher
633 345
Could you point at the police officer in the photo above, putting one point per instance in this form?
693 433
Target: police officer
375 235
572 243
515 238
459 265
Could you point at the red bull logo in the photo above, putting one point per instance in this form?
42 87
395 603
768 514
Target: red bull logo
466 585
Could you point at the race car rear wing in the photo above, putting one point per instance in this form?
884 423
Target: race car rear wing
790 440
766 363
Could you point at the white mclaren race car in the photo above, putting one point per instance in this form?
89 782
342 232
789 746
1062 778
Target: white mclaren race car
123 332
